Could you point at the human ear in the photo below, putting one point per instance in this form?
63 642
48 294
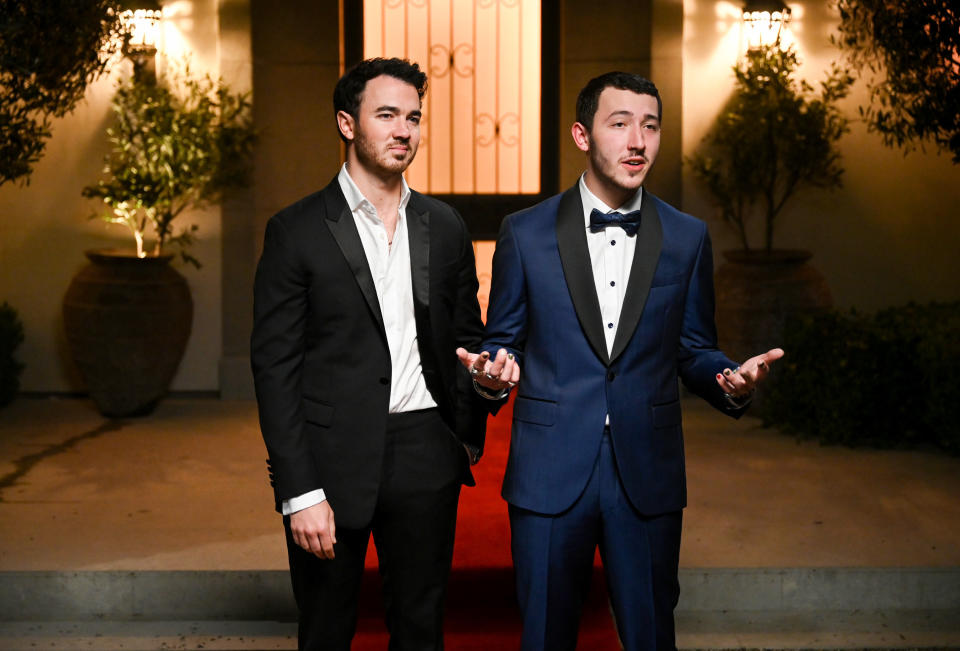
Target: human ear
346 124
581 136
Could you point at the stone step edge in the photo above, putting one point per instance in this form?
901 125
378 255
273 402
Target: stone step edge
717 630
266 595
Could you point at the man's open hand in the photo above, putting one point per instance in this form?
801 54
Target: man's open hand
742 381
501 372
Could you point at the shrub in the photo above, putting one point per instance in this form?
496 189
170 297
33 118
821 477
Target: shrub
49 52
886 380
908 54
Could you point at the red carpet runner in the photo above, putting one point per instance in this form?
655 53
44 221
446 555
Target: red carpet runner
482 612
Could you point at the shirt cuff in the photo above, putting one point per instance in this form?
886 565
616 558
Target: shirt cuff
302 502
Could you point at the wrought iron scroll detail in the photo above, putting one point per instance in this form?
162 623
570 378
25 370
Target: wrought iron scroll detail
495 129
451 60
395 4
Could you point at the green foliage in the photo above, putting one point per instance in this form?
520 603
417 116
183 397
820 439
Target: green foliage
886 380
49 51
910 54
774 136
11 336
177 144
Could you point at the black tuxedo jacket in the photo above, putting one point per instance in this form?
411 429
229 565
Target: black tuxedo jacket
319 350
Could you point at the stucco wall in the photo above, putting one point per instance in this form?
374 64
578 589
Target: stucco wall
44 227
887 237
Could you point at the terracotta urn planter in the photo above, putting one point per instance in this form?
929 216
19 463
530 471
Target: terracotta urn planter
757 291
127 322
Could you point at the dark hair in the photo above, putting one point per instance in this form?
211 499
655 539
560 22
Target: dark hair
589 97
349 90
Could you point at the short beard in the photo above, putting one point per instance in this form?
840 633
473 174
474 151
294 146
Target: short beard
368 154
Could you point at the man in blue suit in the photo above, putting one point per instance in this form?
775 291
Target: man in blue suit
604 296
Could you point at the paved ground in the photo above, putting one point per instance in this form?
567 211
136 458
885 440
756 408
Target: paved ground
770 521
185 488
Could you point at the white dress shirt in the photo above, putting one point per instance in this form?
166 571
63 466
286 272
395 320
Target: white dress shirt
611 257
390 267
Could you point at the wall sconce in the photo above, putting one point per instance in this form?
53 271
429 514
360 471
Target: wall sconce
763 22
140 21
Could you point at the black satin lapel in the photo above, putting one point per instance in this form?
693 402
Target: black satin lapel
418 230
645 258
344 230
575 258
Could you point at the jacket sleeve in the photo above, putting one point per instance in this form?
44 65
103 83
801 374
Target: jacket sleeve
471 409
699 357
507 310
277 350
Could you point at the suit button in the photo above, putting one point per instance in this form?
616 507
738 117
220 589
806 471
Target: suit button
384 380
611 375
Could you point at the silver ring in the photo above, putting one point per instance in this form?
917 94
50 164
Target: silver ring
474 370
490 377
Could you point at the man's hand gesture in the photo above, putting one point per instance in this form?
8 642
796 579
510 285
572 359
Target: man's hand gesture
500 373
742 381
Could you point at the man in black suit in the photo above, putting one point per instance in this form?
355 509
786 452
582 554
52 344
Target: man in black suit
362 295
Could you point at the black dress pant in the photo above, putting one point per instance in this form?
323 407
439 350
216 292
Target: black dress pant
413 530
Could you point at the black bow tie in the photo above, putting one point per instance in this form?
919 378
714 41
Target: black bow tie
629 222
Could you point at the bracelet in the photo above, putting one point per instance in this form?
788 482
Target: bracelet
474 453
485 392
738 401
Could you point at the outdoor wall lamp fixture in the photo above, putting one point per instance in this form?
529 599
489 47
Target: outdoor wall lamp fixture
763 22
140 21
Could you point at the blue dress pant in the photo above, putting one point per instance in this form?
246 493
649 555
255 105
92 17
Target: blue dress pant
553 557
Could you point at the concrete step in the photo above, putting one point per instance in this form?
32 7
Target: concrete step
817 629
720 608
720 630
101 635
266 595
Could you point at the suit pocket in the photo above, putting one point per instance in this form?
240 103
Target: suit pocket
316 412
667 415
531 410
666 281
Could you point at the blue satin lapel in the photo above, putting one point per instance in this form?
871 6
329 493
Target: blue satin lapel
344 230
418 230
645 258
575 258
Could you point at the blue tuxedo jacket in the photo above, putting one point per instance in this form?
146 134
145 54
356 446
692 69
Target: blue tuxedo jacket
544 308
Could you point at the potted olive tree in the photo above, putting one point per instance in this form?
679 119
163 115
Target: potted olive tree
178 144
775 137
